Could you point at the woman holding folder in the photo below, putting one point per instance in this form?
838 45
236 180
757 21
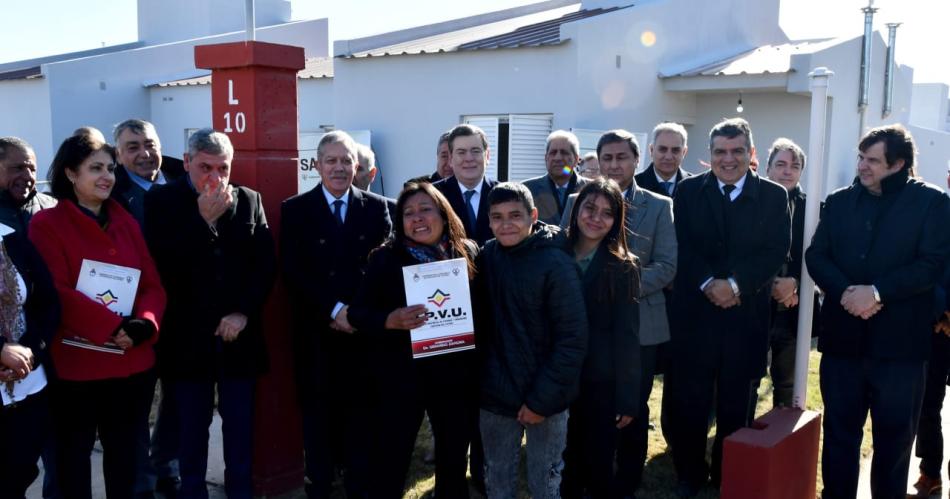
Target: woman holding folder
610 379
112 303
445 386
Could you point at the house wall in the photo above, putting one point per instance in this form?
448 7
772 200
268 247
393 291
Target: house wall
408 101
929 105
26 114
104 90
175 109
933 158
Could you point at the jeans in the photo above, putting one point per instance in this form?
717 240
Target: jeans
501 438
195 408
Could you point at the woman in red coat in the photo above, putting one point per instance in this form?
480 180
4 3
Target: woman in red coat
102 351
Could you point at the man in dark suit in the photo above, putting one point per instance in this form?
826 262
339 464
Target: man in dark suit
668 150
19 199
366 171
785 165
733 232
550 191
327 235
214 251
467 190
443 160
140 165
878 253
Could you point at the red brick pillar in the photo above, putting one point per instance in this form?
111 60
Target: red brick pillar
254 101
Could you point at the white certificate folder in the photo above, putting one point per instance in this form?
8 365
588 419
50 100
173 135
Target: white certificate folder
443 288
112 286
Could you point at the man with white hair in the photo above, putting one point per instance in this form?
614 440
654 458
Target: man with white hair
550 191
327 235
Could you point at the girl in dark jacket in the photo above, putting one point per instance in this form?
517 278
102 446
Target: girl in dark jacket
610 378
426 230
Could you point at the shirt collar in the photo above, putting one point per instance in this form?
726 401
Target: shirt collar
738 184
660 179
331 198
5 230
145 184
477 188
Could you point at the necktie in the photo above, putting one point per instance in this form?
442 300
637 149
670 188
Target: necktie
561 192
469 209
668 186
338 211
727 192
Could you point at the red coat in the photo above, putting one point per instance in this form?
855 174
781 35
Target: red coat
65 236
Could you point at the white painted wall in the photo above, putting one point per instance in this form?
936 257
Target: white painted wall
315 106
933 160
408 101
176 109
163 21
104 90
928 106
26 114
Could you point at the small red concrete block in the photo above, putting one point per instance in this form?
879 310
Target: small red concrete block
776 458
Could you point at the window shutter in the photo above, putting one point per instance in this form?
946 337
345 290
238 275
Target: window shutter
489 124
527 134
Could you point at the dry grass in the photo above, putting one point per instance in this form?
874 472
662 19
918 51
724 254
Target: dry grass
658 476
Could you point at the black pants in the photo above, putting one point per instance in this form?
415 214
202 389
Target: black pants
697 388
336 419
892 391
592 440
405 388
632 450
929 436
25 429
115 409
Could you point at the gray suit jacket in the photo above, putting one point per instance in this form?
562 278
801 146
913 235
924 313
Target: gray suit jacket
650 236
545 198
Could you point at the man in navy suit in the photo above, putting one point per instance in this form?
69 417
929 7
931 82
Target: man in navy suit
668 150
733 231
326 238
467 191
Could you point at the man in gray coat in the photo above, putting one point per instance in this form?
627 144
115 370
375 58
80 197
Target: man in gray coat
651 236
550 191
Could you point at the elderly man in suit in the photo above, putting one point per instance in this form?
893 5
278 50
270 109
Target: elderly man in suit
467 190
878 253
327 235
733 230
652 237
140 165
668 150
550 191
214 252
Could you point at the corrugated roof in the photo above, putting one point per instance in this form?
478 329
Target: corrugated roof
768 59
22 74
316 68
541 28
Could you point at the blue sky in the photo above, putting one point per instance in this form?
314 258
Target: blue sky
44 27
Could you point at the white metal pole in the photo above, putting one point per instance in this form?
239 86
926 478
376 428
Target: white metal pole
250 23
816 177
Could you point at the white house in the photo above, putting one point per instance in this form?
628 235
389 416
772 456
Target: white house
45 99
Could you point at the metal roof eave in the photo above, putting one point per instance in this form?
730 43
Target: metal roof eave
759 82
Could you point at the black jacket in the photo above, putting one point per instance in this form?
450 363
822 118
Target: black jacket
322 265
42 303
613 323
781 316
534 349
749 243
450 189
17 216
901 251
647 180
132 197
207 275
382 291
